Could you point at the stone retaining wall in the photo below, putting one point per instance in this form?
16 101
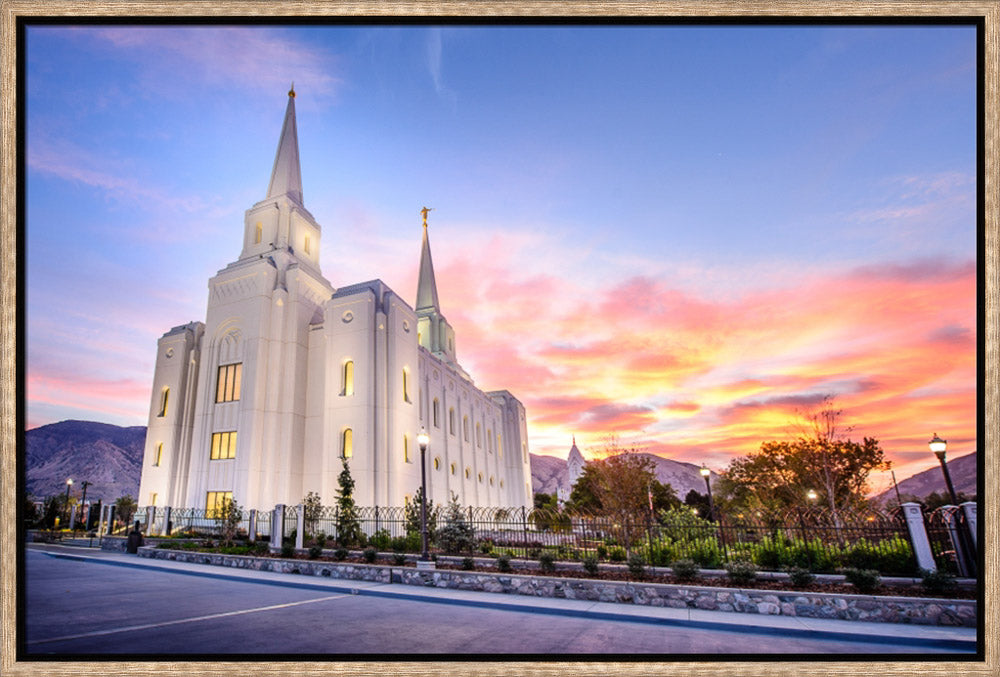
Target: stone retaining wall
922 611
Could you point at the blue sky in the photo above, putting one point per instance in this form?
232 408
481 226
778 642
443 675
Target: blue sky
632 225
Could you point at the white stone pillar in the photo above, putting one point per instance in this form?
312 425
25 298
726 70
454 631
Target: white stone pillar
300 525
969 509
277 525
72 518
252 527
167 526
918 536
950 514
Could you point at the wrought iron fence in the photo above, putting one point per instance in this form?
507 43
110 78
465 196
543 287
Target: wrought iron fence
950 540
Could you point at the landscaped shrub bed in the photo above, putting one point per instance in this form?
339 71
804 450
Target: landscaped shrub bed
739 577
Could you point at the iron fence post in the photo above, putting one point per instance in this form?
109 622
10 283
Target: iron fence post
524 528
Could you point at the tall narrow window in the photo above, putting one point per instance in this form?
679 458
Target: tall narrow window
479 435
158 457
406 448
437 462
227 388
451 420
489 440
306 245
499 445
164 400
465 427
347 443
524 450
258 233
348 388
152 498
223 445
406 386
215 503
436 407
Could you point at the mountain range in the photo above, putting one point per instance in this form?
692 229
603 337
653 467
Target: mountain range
109 457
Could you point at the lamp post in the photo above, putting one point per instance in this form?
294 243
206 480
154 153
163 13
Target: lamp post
899 501
423 440
812 496
940 447
83 504
69 484
706 473
965 551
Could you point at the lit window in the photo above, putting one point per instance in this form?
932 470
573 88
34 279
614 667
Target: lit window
258 235
524 450
489 439
406 386
152 498
437 462
465 427
164 397
347 443
159 454
406 448
306 245
227 388
215 502
223 445
348 379
451 420
479 435
501 484
468 472
453 468
491 480
480 478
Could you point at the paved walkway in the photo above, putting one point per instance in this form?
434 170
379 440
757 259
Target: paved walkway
928 637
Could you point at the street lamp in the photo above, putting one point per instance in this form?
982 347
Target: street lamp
939 447
69 483
83 504
706 473
422 441
812 496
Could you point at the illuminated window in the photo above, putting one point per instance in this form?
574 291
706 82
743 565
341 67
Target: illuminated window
465 427
306 245
479 435
227 388
501 484
491 480
480 478
259 233
524 450
406 448
436 407
158 457
451 420
164 397
347 443
152 498
215 502
437 462
499 445
223 445
468 472
406 386
453 468
348 378
489 439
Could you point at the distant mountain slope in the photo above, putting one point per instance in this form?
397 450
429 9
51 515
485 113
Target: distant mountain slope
107 456
549 473
963 471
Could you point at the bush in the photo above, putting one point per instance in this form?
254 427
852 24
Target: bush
602 552
398 544
468 564
637 565
287 550
321 539
706 553
800 577
937 581
261 547
617 554
503 563
381 540
340 554
486 547
864 580
534 553
741 573
590 565
547 562
369 555
315 551
398 558
457 535
685 570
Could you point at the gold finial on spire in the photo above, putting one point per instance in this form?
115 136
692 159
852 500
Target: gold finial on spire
291 92
424 212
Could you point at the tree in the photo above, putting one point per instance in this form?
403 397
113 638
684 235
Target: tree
228 517
457 535
348 521
698 501
820 458
412 515
546 501
313 510
125 507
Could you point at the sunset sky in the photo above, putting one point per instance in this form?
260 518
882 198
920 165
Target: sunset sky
677 234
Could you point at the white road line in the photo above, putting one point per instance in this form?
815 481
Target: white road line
149 626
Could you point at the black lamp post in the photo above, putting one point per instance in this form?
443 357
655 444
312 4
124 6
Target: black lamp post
423 440
69 484
706 473
939 447
83 504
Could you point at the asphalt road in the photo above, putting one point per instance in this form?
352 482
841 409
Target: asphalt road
82 608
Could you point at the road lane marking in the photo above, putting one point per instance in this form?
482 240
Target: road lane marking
149 626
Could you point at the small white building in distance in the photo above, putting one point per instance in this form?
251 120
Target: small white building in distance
288 375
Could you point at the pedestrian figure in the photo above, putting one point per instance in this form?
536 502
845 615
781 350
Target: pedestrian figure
134 541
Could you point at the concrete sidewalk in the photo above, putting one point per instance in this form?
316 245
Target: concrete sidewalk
890 633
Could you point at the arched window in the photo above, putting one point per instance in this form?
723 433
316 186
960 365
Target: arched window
480 478
479 435
453 468
259 233
437 462
406 386
347 443
406 448
451 420
306 245
348 378
489 439
164 399
159 454
468 472
437 406
465 427
491 480
500 445
230 379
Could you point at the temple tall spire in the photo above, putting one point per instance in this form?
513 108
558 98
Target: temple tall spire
427 295
286 176
433 331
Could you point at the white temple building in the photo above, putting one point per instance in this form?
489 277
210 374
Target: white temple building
288 375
